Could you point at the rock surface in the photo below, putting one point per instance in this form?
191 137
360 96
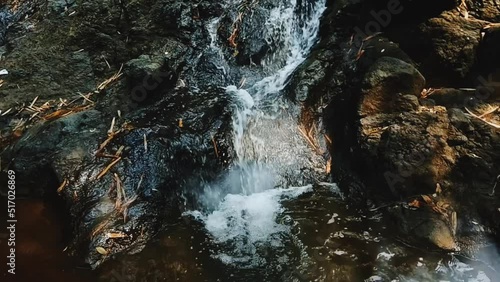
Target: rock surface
123 151
393 140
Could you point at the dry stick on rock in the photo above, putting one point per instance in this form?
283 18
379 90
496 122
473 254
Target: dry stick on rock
112 79
125 206
234 34
122 203
215 146
310 138
111 135
483 119
115 235
119 152
105 170
62 186
487 113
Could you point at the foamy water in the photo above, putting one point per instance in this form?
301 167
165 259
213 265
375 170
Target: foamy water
242 223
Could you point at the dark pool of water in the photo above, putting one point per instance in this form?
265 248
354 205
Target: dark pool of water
353 248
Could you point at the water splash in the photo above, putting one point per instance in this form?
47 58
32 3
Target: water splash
240 211
244 223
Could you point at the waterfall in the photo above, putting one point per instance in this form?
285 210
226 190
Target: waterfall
241 210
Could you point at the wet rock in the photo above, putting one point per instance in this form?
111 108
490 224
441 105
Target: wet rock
313 77
460 120
148 77
143 66
407 103
386 78
486 10
378 47
252 46
427 226
245 33
31 76
165 148
443 63
450 97
207 9
4 23
60 6
388 141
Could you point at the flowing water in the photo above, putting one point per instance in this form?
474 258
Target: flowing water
271 216
241 210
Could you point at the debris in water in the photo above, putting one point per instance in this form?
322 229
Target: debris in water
4 72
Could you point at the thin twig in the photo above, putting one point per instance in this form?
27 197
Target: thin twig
108 168
483 119
215 146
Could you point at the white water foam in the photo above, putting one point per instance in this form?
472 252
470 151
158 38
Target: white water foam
245 221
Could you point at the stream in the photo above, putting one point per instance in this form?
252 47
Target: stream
273 215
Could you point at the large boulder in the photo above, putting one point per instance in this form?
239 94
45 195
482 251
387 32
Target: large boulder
393 140
385 79
156 152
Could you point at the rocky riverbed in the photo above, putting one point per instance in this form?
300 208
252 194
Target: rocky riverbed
163 127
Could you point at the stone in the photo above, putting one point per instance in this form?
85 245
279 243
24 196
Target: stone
384 80
460 120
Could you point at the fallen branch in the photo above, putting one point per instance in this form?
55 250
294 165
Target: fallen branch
487 113
483 119
110 80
